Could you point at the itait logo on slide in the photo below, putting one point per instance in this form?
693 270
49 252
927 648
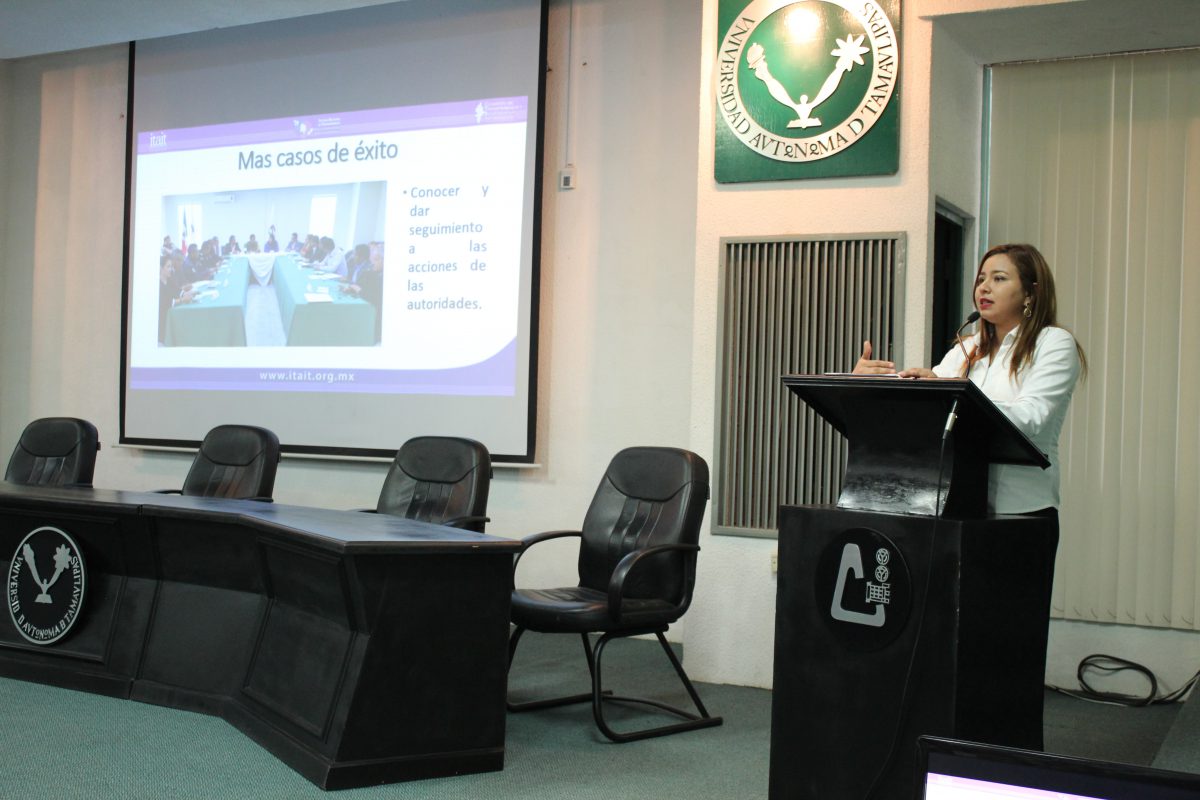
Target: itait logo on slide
803 81
45 585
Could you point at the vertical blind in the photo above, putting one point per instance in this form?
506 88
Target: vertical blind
791 306
1097 162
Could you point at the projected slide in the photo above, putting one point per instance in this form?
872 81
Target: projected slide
369 251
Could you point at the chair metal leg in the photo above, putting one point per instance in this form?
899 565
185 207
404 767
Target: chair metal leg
599 697
553 702
513 639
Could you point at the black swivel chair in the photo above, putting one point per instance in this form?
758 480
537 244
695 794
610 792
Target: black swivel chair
637 568
439 479
236 462
55 451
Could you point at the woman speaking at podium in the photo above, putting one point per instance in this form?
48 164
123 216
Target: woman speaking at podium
1022 361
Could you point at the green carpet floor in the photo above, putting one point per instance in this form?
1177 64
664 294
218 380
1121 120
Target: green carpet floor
56 743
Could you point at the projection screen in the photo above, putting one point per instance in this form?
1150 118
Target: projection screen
332 229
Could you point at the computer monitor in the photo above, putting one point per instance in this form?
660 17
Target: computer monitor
957 770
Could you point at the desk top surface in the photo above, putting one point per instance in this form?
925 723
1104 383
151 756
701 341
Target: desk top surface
342 531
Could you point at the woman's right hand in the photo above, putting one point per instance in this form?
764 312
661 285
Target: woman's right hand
868 366
917 372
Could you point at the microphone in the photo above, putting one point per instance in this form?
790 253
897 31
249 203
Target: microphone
952 417
974 316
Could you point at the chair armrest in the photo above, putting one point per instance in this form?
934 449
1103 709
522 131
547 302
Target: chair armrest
616 584
536 538
545 536
462 522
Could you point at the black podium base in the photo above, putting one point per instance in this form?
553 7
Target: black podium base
887 629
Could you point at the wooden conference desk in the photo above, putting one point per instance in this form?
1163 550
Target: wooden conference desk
357 648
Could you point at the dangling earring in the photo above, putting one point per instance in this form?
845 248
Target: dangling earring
1028 309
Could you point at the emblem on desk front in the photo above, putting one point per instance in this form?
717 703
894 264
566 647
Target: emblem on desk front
46 580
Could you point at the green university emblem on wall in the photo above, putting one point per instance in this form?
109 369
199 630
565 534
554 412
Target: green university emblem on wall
799 86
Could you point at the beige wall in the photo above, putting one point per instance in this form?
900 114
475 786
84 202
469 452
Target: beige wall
5 90
617 273
60 326
955 129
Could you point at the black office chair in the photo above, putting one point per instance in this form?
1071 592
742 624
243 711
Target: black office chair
439 479
55 451
637 568
236 462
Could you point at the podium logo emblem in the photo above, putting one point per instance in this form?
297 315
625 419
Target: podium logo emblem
877 595
46 581
864 583
802 81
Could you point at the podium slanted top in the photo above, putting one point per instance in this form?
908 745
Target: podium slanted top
894 427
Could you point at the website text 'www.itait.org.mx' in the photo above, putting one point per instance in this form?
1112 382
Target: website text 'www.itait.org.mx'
305 376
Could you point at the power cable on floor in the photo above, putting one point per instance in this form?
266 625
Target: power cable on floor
1111 665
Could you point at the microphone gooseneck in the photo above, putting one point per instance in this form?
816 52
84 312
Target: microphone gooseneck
974 316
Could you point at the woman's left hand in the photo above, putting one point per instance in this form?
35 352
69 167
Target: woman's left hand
917 372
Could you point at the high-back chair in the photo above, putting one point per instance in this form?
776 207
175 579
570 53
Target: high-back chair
236 462
55 451
439 479
637 568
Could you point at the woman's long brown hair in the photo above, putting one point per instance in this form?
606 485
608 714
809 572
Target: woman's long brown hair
1038 284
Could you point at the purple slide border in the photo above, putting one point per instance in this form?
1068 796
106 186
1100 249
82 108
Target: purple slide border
462 113
495 376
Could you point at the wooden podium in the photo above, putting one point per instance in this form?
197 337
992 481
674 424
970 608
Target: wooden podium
892 621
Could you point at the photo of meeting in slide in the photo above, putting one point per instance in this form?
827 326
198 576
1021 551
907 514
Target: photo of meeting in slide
291 266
